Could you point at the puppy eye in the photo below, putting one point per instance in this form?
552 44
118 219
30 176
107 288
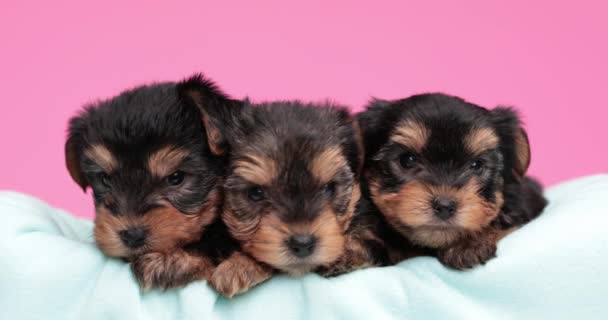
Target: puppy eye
105 180
255 193
477 165
407 160
176 178
330 189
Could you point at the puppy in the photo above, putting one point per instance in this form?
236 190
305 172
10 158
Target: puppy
291 194
155 164
449 175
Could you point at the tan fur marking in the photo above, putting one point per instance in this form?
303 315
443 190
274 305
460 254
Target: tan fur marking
215 139
257 169
263 235
522 152
331 234
409 210
168 228
106 231
166 160
479 140
326 164
474 212
102 157
268 243
412 134
356 255
410 206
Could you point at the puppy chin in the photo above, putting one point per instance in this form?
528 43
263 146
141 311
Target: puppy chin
297 267
434 237
113 249
118 250
298 270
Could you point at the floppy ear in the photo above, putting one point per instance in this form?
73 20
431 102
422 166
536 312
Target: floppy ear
353 143
73 152
514 138
218 111
373 128
522 152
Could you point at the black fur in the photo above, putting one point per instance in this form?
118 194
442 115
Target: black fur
444 159
292 133
133 126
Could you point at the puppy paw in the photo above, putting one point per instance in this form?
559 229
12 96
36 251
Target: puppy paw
237 274
330 272
466 255
342 266
163 271
356 256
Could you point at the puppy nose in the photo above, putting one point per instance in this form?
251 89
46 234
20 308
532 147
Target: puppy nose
133 237
302 245
444 208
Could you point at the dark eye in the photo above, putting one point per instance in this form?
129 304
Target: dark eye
477 165
105 180
407 160
255 193
176 178
330 189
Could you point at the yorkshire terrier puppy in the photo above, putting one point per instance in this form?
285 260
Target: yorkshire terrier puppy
291 194
154 159
449 175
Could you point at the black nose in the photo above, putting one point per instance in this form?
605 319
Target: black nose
133 237
444 208
302 245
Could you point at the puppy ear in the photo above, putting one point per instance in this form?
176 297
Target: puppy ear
373 128
360 146
353 143
73 152
218 110
378 103
522 152
514 138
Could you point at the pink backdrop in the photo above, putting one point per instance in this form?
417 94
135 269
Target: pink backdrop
546 57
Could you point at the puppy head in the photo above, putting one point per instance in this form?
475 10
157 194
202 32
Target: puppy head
153 174
293 184
437 165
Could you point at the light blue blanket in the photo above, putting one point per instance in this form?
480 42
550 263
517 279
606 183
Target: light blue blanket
554 268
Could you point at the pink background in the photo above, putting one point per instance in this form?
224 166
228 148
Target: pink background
548 58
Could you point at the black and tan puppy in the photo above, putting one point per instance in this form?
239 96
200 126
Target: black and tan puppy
449 175
155 164
291 194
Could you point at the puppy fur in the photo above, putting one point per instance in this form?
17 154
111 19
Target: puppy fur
449 175
155 162
291 195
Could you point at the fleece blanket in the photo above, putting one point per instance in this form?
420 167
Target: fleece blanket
553 268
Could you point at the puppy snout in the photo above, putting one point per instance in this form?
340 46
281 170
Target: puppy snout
134 237
444 208
302 245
